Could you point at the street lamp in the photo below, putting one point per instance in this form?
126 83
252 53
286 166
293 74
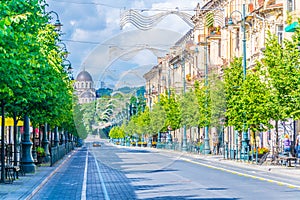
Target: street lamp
206 129
184 139
63 49
244 151
57 23
68 68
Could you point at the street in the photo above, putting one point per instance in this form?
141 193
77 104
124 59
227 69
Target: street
110 172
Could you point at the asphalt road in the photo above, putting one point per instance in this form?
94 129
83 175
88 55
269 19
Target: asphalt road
108 172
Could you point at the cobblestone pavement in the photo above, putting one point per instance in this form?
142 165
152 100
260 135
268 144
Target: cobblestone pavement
66 183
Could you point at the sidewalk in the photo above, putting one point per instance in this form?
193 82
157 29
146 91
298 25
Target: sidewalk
26 186
280 171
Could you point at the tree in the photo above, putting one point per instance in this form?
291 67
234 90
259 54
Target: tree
32 79
257 100
280 66
117 132
172 108
157 119
189 108
203 100
143 122
218 100
233 82
78 121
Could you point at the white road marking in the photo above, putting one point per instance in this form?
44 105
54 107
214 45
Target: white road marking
83 191
102 180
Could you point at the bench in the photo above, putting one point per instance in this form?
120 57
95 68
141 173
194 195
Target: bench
287 160
9 173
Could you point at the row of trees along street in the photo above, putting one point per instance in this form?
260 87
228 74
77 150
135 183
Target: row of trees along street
270 92
33 82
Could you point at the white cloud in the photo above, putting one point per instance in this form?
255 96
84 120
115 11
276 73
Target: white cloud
99 24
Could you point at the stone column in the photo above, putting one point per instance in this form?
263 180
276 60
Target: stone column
27 162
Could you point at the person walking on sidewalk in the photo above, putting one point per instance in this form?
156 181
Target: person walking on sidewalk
286 143
297 145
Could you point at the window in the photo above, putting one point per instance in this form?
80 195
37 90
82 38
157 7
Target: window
290 5
279 33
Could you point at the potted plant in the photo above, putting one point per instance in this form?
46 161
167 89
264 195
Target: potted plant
40 151
260 151
40 155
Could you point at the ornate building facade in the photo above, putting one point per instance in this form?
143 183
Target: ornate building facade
84 87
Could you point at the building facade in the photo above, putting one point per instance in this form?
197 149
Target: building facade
84 87
212 45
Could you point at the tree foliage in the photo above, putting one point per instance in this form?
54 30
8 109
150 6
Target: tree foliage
32 82
203 99
189 109
218 100
281 68
157 119
233 81
117 132
171 106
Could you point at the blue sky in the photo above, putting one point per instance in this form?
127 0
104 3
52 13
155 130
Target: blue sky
93 36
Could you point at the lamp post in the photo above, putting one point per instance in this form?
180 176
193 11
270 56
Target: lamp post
27 162
184 139
206 129
63 48
57 23
244 150
68 68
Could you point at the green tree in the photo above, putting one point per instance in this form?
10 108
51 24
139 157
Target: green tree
157 118
203 99
257 101
32 80
117 132
172 108
233 83
189 108
280 67
218 100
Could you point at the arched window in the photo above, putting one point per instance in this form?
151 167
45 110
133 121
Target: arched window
82 85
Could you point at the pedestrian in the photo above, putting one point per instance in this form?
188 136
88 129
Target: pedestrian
286 143
297 145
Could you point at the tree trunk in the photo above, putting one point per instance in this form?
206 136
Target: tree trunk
240 136
2 142
277 139
15 139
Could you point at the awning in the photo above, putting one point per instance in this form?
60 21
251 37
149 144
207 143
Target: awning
292 27
10 122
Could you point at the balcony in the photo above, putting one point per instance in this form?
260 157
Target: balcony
214 32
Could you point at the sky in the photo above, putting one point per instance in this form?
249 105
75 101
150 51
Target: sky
119 57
